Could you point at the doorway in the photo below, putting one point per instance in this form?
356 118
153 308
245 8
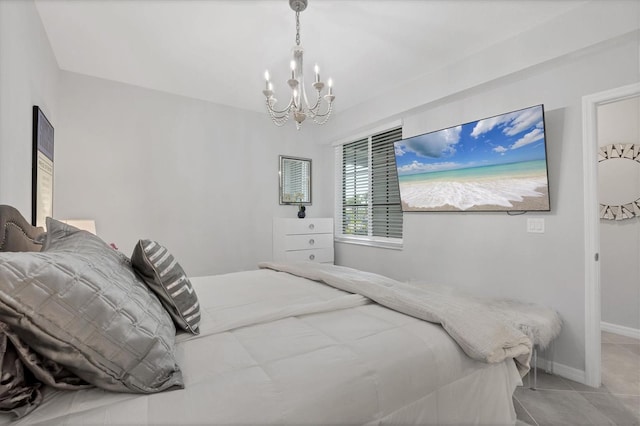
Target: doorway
590 105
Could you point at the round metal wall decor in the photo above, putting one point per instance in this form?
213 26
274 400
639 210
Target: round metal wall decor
619 152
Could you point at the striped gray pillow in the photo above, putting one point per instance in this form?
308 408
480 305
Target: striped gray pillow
164 275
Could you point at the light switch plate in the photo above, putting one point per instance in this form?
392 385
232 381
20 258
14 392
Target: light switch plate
535 225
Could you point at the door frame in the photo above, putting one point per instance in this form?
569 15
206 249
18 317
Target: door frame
590 104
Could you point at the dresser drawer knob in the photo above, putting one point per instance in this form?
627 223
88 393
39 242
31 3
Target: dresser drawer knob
312 256
311 226
312 242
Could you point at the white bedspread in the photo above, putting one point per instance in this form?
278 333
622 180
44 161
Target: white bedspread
481 334
275 348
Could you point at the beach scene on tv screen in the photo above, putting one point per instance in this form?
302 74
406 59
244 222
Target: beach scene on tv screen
495 164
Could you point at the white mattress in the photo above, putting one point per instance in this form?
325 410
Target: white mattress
260 360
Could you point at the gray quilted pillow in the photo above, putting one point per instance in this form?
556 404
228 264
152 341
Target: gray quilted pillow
164 275
79 303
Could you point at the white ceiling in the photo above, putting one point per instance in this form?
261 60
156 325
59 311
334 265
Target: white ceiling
218 50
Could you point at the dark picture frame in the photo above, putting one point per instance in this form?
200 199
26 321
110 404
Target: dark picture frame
42 168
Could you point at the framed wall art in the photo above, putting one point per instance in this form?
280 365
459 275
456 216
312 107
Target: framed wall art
42 168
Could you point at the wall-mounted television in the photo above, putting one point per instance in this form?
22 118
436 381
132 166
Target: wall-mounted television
494 164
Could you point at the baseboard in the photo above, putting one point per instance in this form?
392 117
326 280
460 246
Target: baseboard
620 329
580 375
562 370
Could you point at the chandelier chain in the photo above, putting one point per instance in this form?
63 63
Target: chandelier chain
297 28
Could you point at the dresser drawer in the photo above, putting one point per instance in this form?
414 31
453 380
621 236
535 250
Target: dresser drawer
308 241
308 226
315 255
303 239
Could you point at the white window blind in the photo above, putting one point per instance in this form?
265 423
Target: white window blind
355 188
370 195
386 217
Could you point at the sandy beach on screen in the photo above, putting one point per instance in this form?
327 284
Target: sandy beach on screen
537 203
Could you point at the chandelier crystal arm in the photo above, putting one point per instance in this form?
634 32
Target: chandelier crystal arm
287 109
313 110
324 116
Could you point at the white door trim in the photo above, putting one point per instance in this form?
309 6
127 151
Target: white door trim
592 313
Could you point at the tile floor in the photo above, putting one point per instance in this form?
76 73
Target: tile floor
559 401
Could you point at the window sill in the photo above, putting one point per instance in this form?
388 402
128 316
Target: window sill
380 242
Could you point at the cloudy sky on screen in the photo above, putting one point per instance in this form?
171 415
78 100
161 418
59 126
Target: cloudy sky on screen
508 138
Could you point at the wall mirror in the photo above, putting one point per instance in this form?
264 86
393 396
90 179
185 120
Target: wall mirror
295 180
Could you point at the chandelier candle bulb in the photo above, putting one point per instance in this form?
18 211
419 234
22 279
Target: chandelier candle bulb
317 70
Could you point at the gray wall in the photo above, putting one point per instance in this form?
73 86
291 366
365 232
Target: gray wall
491 253
200 178
28 76
619 122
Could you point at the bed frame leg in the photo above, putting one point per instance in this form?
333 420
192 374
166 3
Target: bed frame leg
534 359
549 353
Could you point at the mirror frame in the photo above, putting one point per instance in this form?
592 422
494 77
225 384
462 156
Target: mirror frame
281 176
631 208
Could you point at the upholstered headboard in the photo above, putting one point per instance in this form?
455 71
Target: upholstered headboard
16 233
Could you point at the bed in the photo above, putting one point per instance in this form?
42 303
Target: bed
294 344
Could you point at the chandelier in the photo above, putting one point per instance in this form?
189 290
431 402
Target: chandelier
299 106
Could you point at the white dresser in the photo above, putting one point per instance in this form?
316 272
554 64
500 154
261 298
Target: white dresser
303 239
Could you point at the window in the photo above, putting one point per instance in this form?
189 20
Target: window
370 199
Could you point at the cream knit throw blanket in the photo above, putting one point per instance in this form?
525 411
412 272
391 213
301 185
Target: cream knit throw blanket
481 335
